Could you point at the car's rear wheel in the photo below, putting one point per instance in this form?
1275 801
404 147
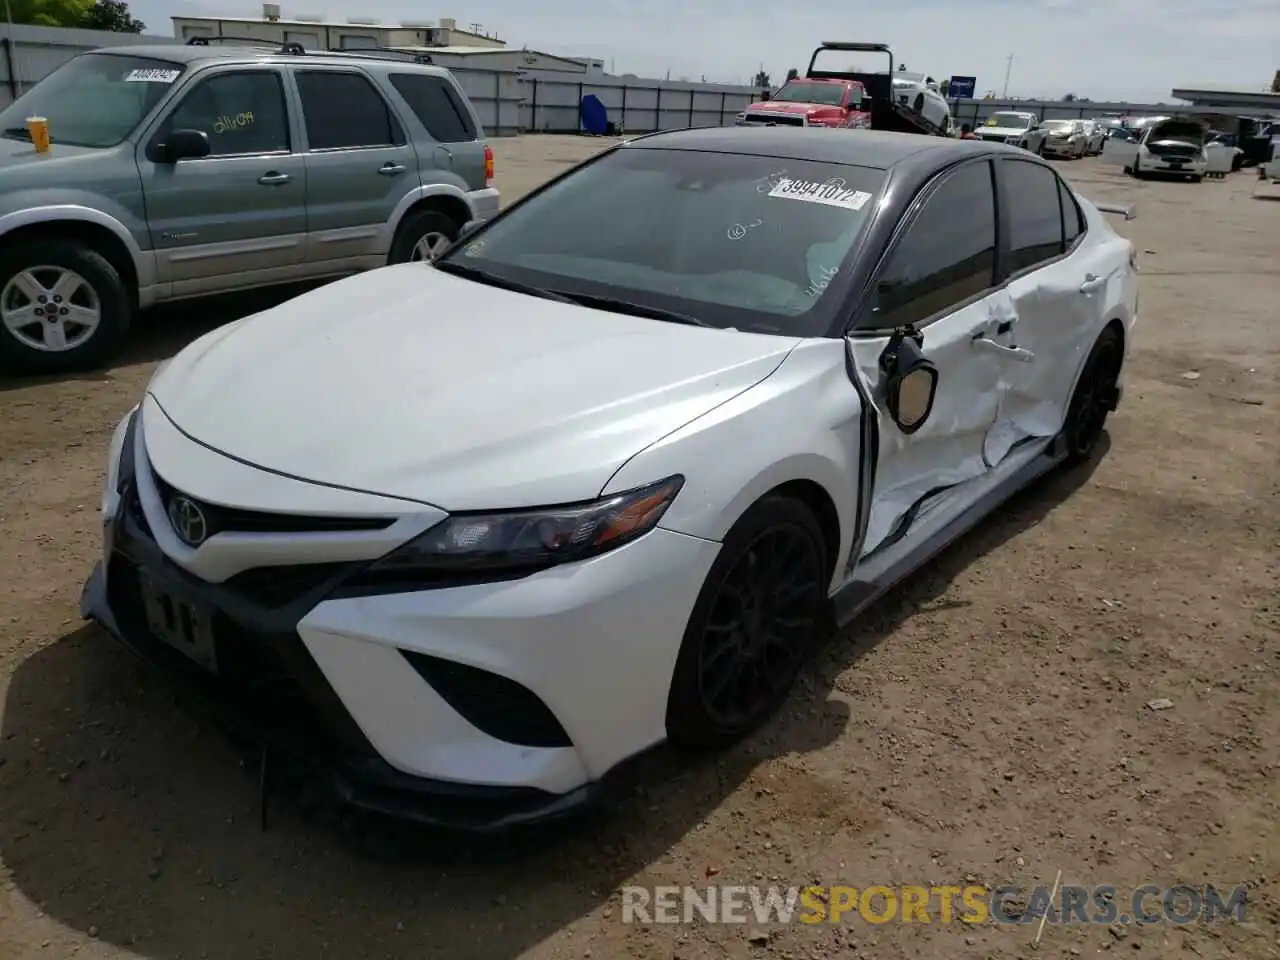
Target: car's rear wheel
754 624
423 236
1095 396
63 307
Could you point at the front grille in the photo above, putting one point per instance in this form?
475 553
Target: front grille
221 519
266 682
774 120
1183 151
276 587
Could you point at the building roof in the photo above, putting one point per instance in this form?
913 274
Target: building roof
1215 95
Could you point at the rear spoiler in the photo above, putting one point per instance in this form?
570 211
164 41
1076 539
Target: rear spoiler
1126 210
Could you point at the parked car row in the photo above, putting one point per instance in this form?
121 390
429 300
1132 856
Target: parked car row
1053 138
180 171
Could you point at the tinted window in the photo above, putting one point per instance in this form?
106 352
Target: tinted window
1072 221
733 240
240 113
1035 213
436 105
947 255
344 110
94 100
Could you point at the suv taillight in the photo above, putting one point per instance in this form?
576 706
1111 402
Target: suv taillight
488 164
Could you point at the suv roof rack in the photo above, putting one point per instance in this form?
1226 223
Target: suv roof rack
383 53
291 47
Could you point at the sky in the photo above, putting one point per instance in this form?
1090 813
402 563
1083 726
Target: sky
1135 50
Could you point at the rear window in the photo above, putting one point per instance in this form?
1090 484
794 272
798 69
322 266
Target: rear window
436 105
735 241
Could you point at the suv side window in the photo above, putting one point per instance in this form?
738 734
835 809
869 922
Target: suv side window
241 113
1035 213
436 105
946 256
1072 219
345 110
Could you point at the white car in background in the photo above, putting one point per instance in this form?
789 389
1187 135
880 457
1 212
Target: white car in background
1014 127
1097 136
1168 147
1066 138
920 93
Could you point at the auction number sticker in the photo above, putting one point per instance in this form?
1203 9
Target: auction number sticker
152 76
832 194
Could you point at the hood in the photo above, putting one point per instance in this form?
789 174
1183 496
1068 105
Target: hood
790 106
1179 131
1002 131
20 153
408 382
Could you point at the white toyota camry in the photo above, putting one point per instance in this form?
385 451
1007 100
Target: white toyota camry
468 535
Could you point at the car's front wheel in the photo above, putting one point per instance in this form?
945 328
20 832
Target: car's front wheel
423 236
1095 396
753 625
63 307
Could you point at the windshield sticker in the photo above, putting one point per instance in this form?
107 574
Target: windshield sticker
739 230
152 76
474 249
771 180
225 124
832 193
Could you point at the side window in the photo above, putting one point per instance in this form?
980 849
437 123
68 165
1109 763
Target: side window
241 113
1072 220
947 255
436 105
345 110
1035 213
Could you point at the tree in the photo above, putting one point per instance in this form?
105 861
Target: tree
49 13
792 74
761 80
1068 98
111 15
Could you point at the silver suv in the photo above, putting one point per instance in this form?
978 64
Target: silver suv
180 171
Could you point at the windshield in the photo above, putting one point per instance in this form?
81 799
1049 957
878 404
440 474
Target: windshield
829 94
731 241
93 100
1009 120
1060 126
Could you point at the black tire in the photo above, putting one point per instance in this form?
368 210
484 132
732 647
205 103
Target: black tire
416 226
1095 396
115 307
1197 179
918 104
759 660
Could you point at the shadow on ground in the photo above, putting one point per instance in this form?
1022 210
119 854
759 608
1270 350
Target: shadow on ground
119 811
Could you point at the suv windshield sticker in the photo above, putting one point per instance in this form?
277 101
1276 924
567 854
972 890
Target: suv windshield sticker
832 193
225 124
152 76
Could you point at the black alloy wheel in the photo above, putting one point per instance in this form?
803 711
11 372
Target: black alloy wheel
1095 396
753 627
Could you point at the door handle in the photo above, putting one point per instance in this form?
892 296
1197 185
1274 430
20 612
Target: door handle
1092 282
274 179
390 169
981 342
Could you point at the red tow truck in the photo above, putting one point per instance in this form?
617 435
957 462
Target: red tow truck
811 102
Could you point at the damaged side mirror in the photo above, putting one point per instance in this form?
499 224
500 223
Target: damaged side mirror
911 380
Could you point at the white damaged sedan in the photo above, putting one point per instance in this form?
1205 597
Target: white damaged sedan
467 536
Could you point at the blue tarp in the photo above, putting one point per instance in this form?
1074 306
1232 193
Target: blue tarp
595 118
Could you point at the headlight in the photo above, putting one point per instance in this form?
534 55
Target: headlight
519 542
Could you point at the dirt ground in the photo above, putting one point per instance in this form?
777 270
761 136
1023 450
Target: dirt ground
988 723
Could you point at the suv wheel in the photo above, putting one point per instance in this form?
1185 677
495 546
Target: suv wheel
423 236
63 307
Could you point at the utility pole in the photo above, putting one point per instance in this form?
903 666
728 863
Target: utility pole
1008 68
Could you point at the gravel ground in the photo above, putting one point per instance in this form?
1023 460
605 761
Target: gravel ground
988 723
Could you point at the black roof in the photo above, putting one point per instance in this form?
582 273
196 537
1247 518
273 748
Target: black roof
877 149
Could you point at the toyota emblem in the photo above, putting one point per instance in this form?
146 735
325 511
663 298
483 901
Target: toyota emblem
188 521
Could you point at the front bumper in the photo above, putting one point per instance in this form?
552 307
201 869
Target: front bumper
398 701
